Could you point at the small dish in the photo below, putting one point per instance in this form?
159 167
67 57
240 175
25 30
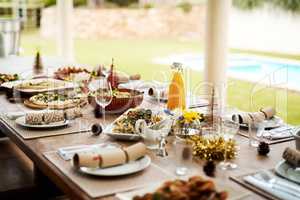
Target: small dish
109 130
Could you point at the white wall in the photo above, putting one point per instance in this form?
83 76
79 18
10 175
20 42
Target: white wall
265 29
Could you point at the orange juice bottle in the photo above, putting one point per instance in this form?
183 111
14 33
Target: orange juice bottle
176 96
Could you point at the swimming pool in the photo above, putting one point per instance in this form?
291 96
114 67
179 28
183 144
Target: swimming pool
270 71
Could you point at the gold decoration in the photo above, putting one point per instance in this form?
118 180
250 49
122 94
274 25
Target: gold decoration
213 148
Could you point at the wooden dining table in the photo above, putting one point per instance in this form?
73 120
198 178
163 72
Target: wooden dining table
247 158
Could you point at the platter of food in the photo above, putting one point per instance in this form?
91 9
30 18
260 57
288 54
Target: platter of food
43 120
123 99
72 74
39 85
8 77
195 187
123 128
54 101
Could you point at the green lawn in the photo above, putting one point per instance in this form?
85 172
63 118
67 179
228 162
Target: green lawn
135 56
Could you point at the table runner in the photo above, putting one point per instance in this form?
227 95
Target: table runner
104 186
77 126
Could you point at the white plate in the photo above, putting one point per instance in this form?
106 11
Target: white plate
287 171
275 122
120 170
66 85
21 121
121 136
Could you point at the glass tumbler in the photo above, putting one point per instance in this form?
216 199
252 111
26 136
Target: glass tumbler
183 156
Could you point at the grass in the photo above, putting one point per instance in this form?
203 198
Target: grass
135 56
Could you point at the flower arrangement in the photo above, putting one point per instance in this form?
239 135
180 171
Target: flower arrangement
190 119
188 122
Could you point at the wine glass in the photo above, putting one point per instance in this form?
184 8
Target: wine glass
230 127
104 95
160 81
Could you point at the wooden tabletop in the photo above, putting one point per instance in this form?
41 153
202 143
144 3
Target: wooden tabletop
248 161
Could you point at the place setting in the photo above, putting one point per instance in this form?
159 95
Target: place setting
107 168
265 125
281 182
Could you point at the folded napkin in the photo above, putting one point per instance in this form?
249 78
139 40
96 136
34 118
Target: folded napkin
14 115
267 187
256 117
160 90
67 153
292 156
109 157
279 133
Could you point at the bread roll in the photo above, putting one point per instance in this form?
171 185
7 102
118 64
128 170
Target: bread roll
34 118
257 117
73 113
53 116
86 159
136 151
135 77
112 157
269 112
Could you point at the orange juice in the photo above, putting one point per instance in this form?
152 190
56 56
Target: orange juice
176 97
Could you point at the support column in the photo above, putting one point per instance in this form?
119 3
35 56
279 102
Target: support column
217 46
65 42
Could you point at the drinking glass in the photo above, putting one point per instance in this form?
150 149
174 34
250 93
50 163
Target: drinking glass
183 155
104 95
230 127
255 131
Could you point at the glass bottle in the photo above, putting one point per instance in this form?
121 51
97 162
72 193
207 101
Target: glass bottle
176 97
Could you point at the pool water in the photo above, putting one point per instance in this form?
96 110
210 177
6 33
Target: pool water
270 71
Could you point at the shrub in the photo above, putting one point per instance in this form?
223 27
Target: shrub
123 3
185 6
48 3
248 4
291 5
148 6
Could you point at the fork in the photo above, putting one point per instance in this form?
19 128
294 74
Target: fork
278 184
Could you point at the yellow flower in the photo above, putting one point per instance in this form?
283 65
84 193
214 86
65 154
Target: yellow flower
190 116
